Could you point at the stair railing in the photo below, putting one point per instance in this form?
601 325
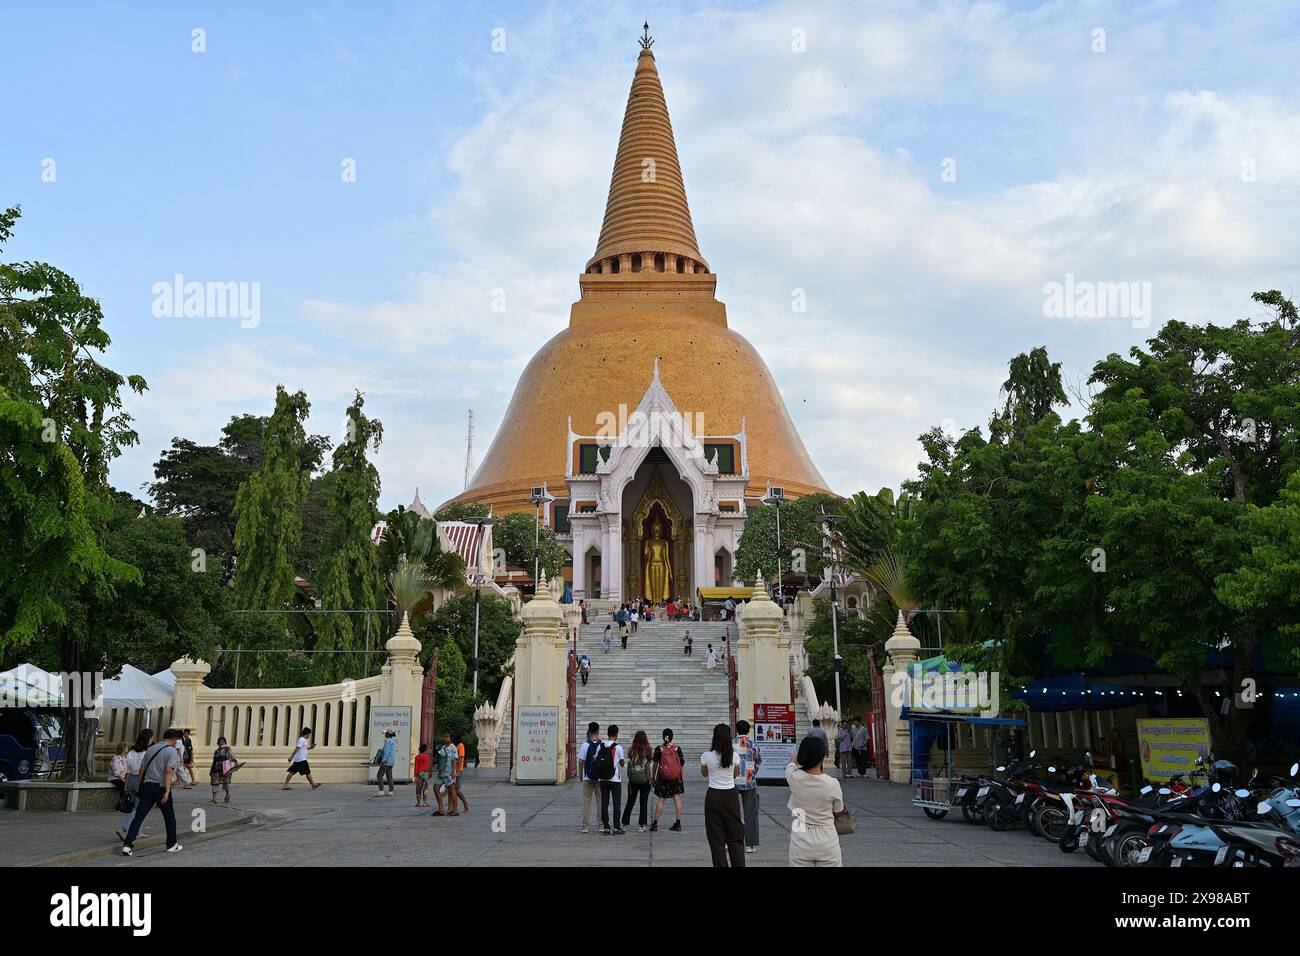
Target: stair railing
733 681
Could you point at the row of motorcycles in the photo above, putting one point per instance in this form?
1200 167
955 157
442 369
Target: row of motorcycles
1203 818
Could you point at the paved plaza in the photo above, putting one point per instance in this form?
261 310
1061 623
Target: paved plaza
345 824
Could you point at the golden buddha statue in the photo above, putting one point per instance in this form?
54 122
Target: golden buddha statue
658 565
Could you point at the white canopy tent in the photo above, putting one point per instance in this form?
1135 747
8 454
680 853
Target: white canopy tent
167 677
28 686
134 689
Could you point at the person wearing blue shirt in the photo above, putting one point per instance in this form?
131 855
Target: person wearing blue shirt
387 760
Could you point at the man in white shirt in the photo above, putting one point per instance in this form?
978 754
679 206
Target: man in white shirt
590 785
298 762
613 787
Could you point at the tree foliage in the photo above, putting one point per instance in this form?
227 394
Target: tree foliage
267 509
198 483
414 537
1158 524
498 631
349 577
62 422
801 538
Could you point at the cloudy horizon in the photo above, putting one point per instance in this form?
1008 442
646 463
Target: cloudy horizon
919 174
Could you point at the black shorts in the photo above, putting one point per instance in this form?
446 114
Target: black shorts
300 767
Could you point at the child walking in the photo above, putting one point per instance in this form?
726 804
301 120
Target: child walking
423 771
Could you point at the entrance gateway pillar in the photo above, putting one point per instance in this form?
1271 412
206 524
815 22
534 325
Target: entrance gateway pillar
903 649
762 655
541 671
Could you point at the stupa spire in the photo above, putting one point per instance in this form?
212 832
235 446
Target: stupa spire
647 213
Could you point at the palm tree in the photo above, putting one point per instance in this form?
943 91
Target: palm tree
409 536
409 584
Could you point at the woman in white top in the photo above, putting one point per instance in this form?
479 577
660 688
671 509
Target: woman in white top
815 800
722 821
132 781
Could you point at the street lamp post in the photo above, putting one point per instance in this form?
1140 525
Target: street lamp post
540 498
774 497
485 521
828 527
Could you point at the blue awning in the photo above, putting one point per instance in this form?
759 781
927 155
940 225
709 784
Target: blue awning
909 714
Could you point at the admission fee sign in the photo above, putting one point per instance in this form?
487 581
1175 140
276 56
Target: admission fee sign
774 732
391 718
539 743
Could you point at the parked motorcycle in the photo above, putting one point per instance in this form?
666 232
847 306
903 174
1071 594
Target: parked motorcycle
1260 829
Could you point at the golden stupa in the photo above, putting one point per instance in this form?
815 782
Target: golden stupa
647 293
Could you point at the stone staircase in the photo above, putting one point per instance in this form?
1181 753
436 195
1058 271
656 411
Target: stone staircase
685 698
651 685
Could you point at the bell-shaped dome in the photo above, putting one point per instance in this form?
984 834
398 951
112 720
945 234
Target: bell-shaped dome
647 293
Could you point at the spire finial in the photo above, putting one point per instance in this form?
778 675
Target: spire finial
646 41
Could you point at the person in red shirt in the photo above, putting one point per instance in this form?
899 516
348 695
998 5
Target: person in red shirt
423 771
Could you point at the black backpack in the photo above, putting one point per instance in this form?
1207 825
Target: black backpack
602 768
589 761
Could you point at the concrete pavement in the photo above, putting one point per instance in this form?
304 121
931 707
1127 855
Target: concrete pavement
344 824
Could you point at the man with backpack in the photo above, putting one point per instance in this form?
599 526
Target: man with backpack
590 784
607 767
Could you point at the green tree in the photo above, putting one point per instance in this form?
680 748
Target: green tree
462 511
1133 528
498 631
349 577
855 637
1267 581
410 535
61 414
175 609
455 703
50 548
1032 389
801 537
268 531
514 533
198 483
267 509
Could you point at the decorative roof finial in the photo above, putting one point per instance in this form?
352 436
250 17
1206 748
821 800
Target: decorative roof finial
646 41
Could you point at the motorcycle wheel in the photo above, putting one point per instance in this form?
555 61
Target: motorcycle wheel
1050 820
969 815
1125 845
1069 840
934 814
993 815
1028 810
1093 846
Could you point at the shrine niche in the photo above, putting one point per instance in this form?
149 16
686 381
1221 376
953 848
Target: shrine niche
657 547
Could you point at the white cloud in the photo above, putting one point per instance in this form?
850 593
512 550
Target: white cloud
816 170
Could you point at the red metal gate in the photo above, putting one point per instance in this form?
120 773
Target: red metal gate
429 701
733 682
571 744
879 728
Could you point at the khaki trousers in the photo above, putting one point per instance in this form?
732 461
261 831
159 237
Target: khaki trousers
589 790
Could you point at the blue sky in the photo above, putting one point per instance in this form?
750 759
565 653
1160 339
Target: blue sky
1170 156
